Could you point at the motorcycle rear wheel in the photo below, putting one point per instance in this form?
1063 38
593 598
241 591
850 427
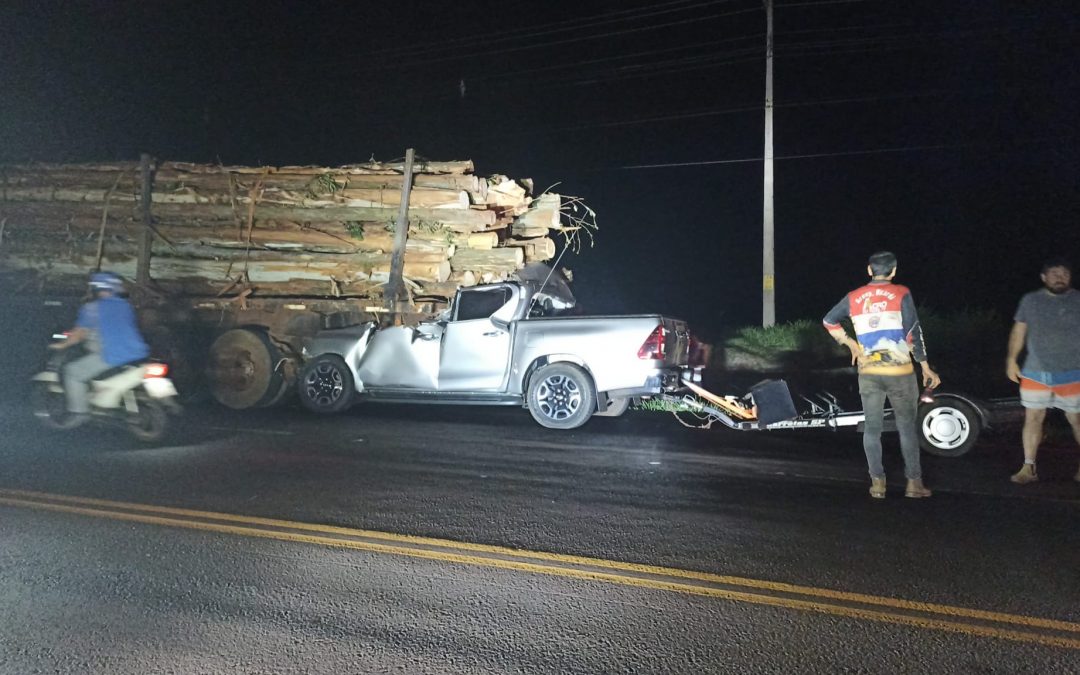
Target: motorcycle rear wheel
151 422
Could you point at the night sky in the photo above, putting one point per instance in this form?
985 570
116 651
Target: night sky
945 131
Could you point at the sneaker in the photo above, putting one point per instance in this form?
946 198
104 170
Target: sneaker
1025 475
916 490
877 488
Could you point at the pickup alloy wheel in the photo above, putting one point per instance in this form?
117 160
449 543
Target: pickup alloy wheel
326 384
561 396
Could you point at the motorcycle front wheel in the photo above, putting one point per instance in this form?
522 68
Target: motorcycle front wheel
151 421
50 406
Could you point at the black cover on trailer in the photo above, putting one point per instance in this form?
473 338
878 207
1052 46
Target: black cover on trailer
773 401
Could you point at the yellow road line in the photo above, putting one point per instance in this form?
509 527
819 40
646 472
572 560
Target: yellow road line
760 584
540 568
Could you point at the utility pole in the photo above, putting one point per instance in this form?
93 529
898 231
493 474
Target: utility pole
768 263
395 284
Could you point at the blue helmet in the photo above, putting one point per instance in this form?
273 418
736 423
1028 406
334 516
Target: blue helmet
106 281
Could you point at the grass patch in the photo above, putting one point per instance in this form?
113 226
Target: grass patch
966 345
804 336
661 405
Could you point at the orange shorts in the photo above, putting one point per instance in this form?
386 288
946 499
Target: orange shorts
1061 395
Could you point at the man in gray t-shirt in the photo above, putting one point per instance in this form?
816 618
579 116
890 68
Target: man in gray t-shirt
1047 324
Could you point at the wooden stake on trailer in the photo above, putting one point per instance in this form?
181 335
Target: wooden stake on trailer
401 230
146 240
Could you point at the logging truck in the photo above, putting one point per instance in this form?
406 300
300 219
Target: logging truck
234 269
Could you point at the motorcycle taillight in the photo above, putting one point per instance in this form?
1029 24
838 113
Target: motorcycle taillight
156 370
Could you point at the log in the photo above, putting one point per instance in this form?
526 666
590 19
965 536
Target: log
452 167
536 250
421 197
329 237
257 271
481 240
424 166
170 180
504 192
543 215
494 260
467 220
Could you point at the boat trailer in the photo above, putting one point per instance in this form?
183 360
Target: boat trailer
949 423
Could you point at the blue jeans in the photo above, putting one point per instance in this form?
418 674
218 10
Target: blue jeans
903 394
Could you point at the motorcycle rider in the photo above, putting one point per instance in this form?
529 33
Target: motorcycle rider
107 327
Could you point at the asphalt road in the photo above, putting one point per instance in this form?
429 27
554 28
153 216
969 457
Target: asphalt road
470 540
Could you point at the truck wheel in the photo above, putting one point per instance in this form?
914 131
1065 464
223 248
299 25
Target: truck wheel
243 369
948 427
561 396
326 384
616 407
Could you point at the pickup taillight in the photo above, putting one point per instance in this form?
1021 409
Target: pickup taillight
653 347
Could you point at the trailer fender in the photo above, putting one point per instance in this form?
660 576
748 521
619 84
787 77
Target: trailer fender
980 406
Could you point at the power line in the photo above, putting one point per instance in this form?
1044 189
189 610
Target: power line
691 115
843 153
821 3
584 38
557 27
619 57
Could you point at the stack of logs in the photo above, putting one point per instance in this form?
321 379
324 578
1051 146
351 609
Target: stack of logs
285 231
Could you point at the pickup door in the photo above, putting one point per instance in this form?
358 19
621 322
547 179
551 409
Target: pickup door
476 342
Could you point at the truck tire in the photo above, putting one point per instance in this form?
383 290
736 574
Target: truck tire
948 427
616 407
326 384
243 370
561 396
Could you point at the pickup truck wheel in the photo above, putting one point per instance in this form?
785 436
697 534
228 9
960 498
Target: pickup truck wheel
948 427
616 407
561 396
326 384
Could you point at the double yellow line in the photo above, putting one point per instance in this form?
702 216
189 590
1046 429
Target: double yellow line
974 622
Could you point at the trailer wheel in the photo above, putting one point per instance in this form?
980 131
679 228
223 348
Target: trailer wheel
326 384
561 396
243 370
616 407
948 427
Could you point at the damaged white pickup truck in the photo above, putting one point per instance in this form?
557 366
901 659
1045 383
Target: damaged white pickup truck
507 343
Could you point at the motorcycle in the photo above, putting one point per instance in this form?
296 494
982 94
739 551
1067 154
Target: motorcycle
138 395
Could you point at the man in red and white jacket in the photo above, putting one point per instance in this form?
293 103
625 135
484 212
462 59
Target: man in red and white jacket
888 339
